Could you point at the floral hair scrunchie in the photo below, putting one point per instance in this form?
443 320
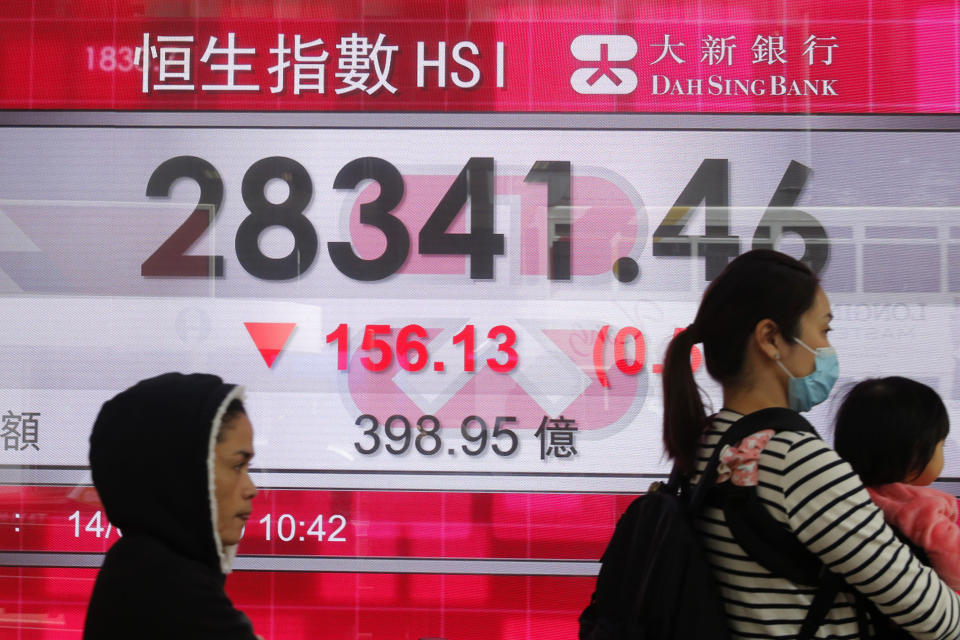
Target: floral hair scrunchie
738 464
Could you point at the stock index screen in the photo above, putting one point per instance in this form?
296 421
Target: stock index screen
444 246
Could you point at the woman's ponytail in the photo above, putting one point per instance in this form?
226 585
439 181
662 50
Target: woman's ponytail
684 416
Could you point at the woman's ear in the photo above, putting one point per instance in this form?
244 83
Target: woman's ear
766 335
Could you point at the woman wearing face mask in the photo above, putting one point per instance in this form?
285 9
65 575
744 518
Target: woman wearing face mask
763 324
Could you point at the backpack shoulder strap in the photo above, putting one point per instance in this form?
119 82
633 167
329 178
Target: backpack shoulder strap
776 418
763 537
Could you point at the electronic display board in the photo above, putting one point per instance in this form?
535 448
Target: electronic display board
444 246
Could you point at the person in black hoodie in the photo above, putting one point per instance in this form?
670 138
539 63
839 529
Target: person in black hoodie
169 458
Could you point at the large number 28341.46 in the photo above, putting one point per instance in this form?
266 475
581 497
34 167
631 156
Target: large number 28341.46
474 184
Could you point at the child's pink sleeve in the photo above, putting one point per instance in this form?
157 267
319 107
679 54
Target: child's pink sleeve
930 519
939 533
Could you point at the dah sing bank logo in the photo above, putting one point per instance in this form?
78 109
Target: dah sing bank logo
604 77
604 71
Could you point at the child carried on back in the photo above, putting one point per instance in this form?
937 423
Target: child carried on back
892 431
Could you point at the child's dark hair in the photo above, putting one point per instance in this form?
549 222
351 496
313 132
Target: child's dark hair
757 285
888 429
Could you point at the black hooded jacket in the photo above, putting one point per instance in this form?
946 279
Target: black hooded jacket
151 455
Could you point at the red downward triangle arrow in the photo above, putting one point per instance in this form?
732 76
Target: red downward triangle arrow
270 338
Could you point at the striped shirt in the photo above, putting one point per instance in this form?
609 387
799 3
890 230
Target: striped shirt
806 486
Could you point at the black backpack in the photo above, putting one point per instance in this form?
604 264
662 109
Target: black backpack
655 582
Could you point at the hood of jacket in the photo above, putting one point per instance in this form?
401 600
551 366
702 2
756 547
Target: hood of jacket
151 457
